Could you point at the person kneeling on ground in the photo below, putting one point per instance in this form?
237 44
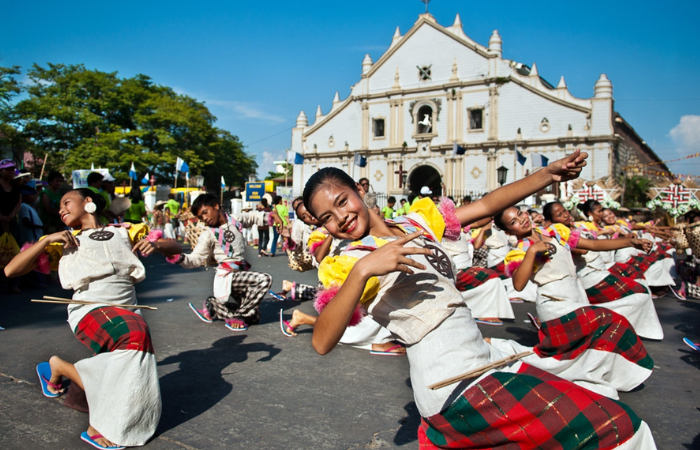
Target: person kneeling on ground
237 290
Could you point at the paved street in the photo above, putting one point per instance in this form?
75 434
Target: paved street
260 389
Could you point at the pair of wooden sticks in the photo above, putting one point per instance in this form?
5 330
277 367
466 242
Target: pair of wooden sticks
69 301
480 371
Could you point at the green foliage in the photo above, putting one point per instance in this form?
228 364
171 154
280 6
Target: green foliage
636 191
82 117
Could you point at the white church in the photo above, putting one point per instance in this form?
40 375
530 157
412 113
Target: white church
435 89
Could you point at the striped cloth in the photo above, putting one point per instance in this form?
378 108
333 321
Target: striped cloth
531 409
111 328
591 328
613 288
500 268
473 277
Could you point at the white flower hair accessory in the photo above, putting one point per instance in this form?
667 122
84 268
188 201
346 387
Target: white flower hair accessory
90 208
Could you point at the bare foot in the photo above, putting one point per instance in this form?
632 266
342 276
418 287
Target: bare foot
287 286
56 364
102 441
488 340
386 346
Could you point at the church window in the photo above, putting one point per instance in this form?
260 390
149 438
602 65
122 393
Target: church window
378 128
476 119
424 122
424 73
544 125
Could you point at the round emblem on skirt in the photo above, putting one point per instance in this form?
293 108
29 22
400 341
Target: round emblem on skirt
229 236
440 261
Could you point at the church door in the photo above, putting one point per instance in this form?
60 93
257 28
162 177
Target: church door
425 176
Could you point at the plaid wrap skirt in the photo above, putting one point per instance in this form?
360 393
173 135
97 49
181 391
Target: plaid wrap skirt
111 328
613 287
531 409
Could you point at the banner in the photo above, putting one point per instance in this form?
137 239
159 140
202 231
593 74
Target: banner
254 191
80 177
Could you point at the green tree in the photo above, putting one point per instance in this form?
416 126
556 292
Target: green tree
636 191
287 168
82 117
11 138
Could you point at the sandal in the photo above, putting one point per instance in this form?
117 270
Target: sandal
92 441
389 351
44 371
533 321
284 325
488 322
277 297
242 325
203 314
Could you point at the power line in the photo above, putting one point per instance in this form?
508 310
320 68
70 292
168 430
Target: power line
271 136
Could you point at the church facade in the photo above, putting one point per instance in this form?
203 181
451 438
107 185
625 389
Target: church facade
435 89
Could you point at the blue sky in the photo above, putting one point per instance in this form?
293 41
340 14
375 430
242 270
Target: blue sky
257 64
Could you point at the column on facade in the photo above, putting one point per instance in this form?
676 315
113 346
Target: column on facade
460 118
365 126
450 117
491 177
493 113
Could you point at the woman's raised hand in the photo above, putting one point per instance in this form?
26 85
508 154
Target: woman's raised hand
569 167
144 246
63 237
392 257
642 244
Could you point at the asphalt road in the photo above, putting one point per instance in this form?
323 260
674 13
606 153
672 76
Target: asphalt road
260 389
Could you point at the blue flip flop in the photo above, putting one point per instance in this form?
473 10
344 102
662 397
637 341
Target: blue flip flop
91 440
691 344
44 371
277 296
200 314
486 322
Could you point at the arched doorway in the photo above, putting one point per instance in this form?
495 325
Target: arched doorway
425 176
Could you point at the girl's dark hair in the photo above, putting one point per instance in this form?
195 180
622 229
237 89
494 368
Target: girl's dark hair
588 206
97 199
204 200
276 199
136 195
328 175
296 202
263 201
498 219
547 210
53 175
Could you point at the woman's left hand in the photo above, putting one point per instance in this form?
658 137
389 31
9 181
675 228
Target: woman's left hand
145 246
568 168
642 244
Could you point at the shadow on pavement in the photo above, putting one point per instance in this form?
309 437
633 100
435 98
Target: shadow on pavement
199 384
527 337
693 445
408 431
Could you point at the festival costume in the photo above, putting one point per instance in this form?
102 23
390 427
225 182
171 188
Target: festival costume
121 380
560 290
518 407
237 291
499 247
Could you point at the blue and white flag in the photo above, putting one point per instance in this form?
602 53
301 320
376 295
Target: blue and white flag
295 158
538 160
223 183
181 165
458 150
132 173
521 158
360 160
145 179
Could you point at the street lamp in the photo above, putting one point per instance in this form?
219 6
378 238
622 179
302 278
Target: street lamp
502 175
199 181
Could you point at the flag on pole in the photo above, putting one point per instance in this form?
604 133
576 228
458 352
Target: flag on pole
223 183
538 160
145 179
360 160
132 173
295 158
458 150
521 158
181 165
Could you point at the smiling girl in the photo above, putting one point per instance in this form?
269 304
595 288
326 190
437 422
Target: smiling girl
100 264
403 278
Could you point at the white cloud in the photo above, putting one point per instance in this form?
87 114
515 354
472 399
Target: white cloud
246 110
267 164
687 133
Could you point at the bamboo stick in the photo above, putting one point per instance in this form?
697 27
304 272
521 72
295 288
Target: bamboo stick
480 371
68 301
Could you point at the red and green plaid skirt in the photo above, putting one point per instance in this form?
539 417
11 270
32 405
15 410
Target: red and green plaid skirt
589 327
613 288
500 268
111 328
531 409
474 277
626 271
